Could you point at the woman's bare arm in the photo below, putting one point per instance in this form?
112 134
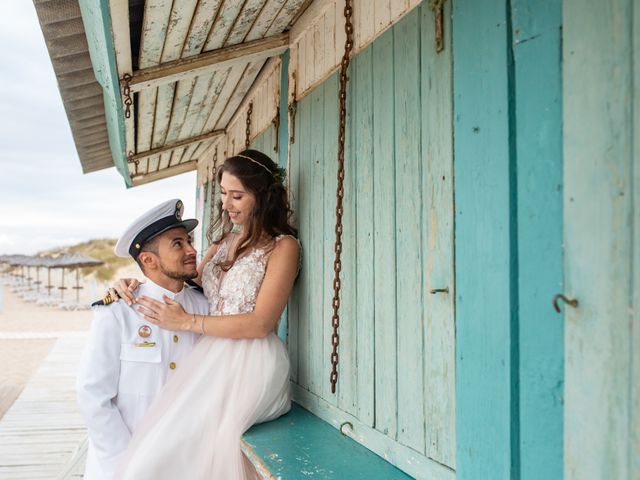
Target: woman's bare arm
272 298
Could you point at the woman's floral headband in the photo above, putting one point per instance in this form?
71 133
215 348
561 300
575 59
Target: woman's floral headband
279 175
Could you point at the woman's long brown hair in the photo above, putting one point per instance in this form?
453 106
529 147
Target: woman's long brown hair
271 213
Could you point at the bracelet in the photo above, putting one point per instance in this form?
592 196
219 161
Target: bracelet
202 324
193 322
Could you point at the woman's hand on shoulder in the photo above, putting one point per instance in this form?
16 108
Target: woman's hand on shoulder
125 288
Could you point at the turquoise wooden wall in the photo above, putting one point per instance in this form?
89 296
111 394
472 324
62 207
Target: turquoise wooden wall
538 211
509 263
601 51
396 372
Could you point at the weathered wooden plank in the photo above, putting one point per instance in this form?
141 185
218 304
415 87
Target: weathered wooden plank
154 26
267 16
363 17
182 12
41 430
153 163
330 134
122 45
386 398
164 105
329 39
598 196
241 89
381 14
302 64
220 100
362 91
180 20
294 302
213 95
317 48
182 100
203 18
245 21
222 27
483 228
308 17
398 8
416 465
408 232
634 450
202 88
286 16
303 134
437 241
146 113
348 368
154 31
315 238
538 136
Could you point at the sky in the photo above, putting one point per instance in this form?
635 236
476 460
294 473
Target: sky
45 199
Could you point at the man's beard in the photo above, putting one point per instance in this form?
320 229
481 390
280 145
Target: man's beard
184 276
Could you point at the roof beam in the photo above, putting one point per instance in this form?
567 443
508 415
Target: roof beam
216 59
143 178
172 146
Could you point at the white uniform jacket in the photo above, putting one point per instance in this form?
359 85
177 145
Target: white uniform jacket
123 368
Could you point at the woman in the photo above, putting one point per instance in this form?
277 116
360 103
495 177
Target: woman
238 373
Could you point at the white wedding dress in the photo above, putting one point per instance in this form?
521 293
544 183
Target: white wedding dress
193 429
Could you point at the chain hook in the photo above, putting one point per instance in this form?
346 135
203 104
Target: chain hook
573 302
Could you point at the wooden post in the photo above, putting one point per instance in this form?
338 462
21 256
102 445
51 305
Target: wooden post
485 230
62 287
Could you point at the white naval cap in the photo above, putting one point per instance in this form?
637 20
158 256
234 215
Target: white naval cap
159 219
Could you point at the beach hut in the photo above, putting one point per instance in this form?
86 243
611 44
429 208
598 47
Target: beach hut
479 162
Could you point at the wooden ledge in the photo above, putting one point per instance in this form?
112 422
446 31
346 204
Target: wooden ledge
300 445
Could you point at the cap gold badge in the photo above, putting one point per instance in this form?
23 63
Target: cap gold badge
144 331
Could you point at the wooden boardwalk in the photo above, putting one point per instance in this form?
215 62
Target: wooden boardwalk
43 429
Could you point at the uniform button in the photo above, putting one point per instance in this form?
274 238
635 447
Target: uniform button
175 339
172 366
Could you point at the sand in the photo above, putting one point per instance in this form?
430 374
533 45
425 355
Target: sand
21 351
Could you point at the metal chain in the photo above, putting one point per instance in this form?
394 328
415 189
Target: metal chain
438 11
247 140
212 206
206 196
337 264
276 127
126 94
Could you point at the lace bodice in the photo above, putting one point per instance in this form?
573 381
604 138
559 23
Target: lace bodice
234 291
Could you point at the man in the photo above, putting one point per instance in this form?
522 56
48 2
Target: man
127 359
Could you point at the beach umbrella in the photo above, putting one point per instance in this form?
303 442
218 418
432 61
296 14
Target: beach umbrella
74 261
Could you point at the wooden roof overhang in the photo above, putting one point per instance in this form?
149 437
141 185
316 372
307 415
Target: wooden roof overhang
82 95
184 67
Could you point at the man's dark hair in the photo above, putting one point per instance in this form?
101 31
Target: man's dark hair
149 246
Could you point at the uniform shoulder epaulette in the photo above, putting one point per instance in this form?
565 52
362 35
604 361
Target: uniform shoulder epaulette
105 301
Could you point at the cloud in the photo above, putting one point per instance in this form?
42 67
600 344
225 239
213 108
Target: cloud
46 200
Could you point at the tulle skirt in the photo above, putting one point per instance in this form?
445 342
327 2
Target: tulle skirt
194 427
